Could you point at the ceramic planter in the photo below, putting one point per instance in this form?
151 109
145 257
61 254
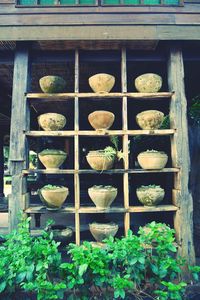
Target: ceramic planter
150 195
52 159
61 233
101 119
102 196
52 84
148 83
150 119
102 82
102 231
53 196
51 121
152 160
98 160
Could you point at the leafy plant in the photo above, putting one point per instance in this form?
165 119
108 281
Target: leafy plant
29 263
194 110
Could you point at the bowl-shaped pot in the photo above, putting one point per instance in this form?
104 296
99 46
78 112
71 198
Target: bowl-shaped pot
102 231
51 121
148 83
150 119
152 160
102 82
53 196
102 196
52 159
101 119
61 233
150 195
52 84
98 160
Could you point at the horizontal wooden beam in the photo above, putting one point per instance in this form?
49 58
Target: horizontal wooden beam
118 95
90 171
99 133
91 210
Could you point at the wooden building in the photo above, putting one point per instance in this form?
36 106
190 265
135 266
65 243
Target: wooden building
76 39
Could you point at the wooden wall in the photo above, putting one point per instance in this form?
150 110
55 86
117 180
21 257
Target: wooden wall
101 23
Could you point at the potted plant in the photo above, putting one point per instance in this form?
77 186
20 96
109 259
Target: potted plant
101 231
102 196
102 159
52 159
152 159
150 195
53 196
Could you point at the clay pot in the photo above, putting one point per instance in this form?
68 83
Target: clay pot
99 161
53 196
101 119
150 119
52 159
102 82
148 83
102 196
52 84
150 195
61 233
51 121
103 231
152 160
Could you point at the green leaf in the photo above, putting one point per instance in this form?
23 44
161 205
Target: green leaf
2 286
20 277
82 269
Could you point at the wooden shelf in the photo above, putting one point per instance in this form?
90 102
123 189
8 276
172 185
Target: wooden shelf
94 133
90 210
89 171
138 209
67 96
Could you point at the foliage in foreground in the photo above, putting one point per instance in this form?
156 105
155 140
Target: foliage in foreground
143 266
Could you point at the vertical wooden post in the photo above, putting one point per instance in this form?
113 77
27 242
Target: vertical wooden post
1 166
76 150
125 140
183 220
19 123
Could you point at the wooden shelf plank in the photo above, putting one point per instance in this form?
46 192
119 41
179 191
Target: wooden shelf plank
138 209
66 96
37 209
89 210
99 132
94 210
90 171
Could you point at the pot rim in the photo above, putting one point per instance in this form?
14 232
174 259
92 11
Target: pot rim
102 74
101 190
144 112
51 113
103 225
101 111
153 153
60 189
147 74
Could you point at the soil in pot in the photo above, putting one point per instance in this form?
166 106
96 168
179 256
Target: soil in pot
52 159
102 82
102 196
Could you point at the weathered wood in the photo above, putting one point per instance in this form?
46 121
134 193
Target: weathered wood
100 132
76 149
66 96
37 209
19 124
90 171
183 221
139 209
